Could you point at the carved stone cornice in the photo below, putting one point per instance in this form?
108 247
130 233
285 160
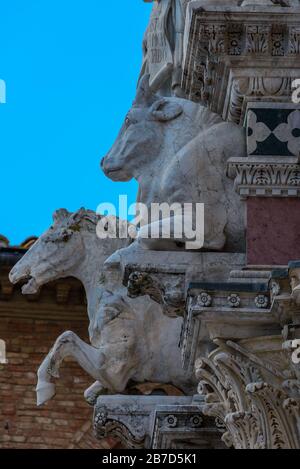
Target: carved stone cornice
185 427
265 178
221 308
230 52
157 422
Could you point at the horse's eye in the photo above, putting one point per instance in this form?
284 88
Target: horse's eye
64 236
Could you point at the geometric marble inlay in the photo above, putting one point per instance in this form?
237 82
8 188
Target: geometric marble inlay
273 130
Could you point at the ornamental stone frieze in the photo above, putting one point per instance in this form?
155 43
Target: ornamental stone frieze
240 54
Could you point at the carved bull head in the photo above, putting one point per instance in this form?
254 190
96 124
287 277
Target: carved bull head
142 134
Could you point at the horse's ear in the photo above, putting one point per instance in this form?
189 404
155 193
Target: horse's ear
60 215
165 110
87 215
144 95
91 217
79 214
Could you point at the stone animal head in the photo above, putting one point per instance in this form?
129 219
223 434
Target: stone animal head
56 252
154 125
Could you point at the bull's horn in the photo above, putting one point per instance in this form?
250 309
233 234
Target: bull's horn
144 94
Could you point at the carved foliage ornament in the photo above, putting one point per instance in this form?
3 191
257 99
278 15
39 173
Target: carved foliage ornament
256 414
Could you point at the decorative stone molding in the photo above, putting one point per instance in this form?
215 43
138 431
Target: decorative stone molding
184 427
232 302
265 179
157 422
230 54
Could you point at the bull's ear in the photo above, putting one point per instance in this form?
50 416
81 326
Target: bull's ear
166 110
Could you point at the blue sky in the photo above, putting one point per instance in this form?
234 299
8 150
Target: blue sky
70 68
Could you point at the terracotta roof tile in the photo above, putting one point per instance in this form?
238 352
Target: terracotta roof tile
26 244
4 242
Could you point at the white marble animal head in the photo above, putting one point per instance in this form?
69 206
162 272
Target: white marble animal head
153 126
58 251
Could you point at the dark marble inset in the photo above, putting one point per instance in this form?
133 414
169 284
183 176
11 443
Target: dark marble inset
273 131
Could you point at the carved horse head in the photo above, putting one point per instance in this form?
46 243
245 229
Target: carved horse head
61 249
